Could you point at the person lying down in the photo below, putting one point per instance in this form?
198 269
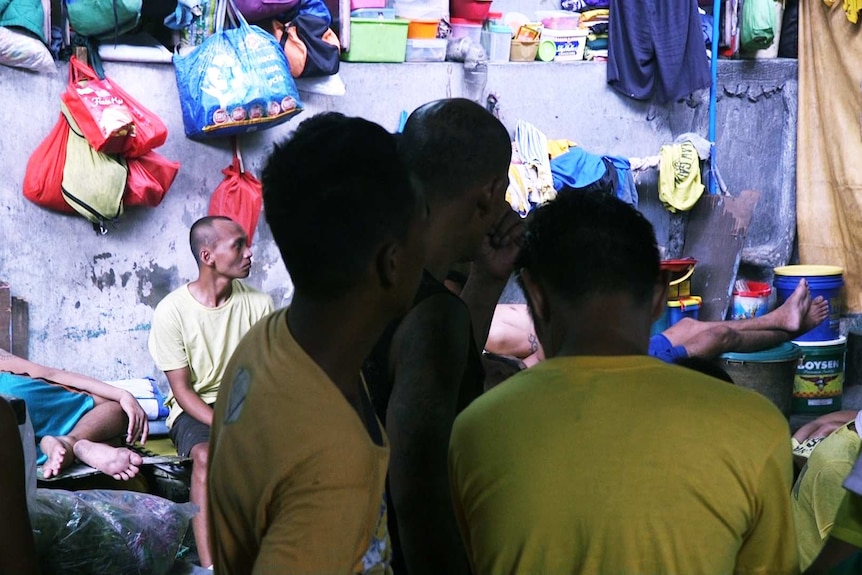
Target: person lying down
76 417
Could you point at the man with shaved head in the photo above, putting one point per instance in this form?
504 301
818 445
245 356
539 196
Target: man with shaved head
194 332
427 367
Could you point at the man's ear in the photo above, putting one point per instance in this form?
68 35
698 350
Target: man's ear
206 257
659 297
537 296
388 261
486 204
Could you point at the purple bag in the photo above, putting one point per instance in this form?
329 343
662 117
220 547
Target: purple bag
260 9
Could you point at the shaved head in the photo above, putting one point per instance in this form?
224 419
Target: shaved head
204 233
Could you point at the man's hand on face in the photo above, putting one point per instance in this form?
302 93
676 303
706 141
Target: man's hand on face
500 248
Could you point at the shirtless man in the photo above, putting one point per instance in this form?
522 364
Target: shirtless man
74 416
512 331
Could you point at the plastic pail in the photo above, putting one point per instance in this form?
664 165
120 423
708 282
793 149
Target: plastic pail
822 280
770 373
753 302
819 379
675 311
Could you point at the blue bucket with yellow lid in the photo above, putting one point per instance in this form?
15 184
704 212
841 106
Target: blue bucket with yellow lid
826 281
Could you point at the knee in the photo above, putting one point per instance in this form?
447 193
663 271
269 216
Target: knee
686 323
727 338
200 458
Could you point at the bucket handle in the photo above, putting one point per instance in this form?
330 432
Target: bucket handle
683 278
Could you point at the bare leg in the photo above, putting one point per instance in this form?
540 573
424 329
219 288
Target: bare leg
198 496
720 338
105 422
798 314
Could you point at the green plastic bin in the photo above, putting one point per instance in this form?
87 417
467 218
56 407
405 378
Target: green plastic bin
377 40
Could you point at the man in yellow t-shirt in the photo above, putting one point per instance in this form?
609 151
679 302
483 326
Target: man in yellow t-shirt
194 331
604 460
818 492
297 458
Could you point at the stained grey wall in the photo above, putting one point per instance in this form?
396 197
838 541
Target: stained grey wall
91 297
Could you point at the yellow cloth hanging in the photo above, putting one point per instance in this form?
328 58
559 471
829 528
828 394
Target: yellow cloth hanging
679 185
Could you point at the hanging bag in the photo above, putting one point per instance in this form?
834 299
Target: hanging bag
237 81
150 177
97 108
43 179
239 196
93 182
103 18
311 47
149 133
758 25
262 9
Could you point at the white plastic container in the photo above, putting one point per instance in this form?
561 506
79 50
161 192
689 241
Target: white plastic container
426 50
422 9
466 29
570 43
499 43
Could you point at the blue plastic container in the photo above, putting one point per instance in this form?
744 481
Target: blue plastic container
675 311
826 281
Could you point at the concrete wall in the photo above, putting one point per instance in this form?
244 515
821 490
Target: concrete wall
91 297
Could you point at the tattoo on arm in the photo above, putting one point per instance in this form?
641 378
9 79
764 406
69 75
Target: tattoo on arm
534 343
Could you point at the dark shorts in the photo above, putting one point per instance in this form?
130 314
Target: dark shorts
661 348
186 432
656 48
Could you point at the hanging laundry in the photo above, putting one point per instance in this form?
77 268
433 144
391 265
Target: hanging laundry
656 49
851 8
581 171
679 185
532 147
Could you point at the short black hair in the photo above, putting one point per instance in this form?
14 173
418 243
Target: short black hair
332 192
454 145
582 244
202 233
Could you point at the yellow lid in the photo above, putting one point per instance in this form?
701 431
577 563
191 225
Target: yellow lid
809 270
685 302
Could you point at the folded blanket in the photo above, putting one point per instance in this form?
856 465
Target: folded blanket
147 393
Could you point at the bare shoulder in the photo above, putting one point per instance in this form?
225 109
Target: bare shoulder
435 331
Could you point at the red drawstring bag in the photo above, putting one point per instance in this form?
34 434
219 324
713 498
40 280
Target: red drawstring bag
239 196
97 108
149 133
43 179
150 177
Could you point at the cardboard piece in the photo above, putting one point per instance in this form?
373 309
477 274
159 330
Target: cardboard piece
715 235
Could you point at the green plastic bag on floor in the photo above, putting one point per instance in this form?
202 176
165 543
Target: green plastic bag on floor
758 24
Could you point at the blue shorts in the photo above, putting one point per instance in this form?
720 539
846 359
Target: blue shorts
661 348
53 409
656 48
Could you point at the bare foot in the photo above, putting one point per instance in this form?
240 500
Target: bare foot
118 462
817 312
789 315
59 452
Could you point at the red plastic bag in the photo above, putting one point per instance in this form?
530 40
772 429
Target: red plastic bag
149 133
43 178
150 177
239 196
98 109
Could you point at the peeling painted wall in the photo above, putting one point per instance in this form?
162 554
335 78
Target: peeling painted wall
91 297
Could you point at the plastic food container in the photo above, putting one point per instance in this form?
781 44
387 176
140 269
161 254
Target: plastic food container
558 19
499 43
422 9
523 51
470 9
386 13
462 28
424 28
357 4
377 40
570 43
426 50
